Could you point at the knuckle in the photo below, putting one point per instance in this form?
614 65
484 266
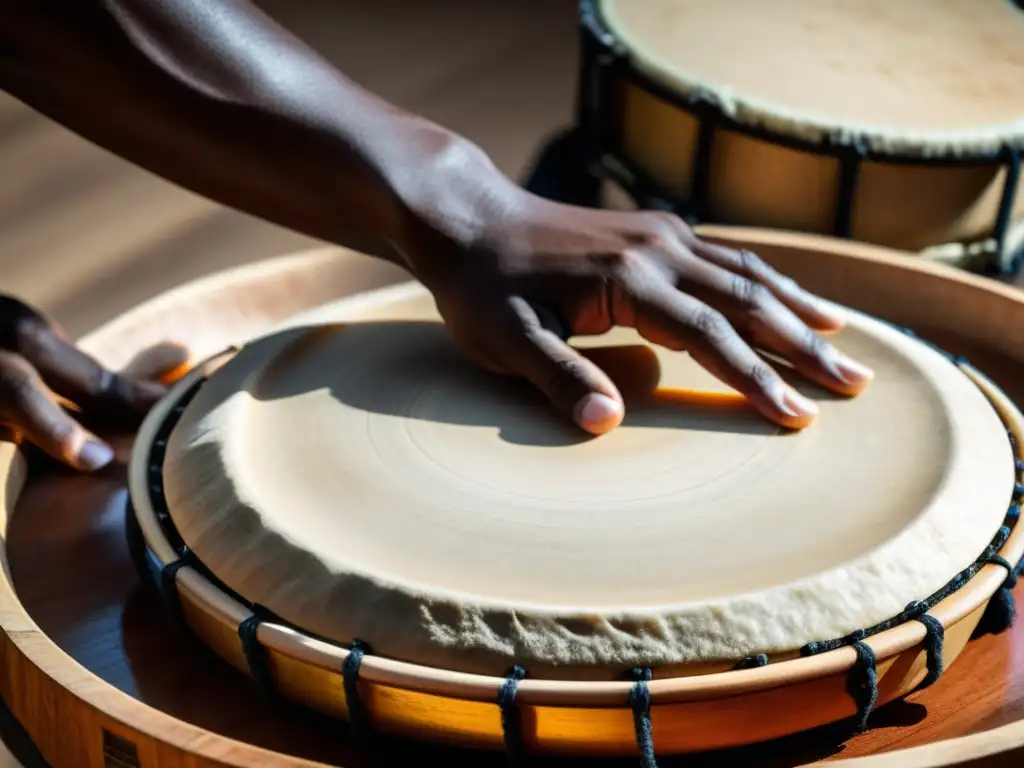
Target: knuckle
764 376
20 325
623 263
668 222
750 262
25 334
15 383
61 431
712 325
565 374
750 293
19 391
815 346
102 383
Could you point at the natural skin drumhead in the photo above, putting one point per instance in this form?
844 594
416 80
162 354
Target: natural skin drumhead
358 477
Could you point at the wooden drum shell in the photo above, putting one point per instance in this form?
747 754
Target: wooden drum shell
695 713
43 686
946 212
669 149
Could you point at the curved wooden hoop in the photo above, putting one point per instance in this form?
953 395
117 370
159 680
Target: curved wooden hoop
307 669
42 685
203 595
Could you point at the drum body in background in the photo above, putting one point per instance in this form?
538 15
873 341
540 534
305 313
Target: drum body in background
897 124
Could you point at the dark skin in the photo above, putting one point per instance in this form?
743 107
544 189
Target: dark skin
218 98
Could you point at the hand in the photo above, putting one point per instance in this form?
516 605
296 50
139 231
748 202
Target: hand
39 367
491 259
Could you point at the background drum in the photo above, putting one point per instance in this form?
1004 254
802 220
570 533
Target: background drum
898 124
84 646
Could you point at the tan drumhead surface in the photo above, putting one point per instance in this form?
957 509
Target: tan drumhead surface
933 71
364 480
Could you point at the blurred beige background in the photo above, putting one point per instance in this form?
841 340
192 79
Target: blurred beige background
85 235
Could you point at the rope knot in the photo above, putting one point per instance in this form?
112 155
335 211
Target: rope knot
511 726
640 703
862 684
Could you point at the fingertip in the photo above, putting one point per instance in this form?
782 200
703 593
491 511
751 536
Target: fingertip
89 453
95 455
856 376
824 316
793 411
598 414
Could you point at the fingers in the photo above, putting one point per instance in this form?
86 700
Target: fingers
75 375
768 323
815 312
27 405
677 321
576 386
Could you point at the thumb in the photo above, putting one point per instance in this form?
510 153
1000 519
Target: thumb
576 386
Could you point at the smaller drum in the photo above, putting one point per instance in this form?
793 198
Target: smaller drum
367 523
894 123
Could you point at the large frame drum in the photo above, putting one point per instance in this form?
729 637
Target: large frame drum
669 124
95 678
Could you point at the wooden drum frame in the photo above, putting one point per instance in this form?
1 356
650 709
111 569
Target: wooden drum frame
47 689
683 151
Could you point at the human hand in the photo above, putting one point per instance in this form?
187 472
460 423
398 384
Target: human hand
494 258
40 368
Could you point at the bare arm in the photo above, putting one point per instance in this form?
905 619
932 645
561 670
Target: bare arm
215 96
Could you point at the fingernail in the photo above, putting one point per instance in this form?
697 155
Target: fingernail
598 413
94 454
797 405
852 371
833 311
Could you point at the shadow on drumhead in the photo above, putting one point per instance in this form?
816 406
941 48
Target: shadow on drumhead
413 371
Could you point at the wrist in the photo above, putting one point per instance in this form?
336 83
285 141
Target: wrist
448 203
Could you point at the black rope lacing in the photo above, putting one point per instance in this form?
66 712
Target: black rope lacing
358 718
862 681
862 684
169 594
640 703
256 658
511 722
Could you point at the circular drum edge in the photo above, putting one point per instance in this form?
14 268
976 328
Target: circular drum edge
558 716
43 684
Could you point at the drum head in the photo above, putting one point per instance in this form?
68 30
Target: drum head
355 475
940 76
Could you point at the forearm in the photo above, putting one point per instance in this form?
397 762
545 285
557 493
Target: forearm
218 98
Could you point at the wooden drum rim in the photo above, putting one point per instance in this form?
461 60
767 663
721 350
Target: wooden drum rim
26 644
384 671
